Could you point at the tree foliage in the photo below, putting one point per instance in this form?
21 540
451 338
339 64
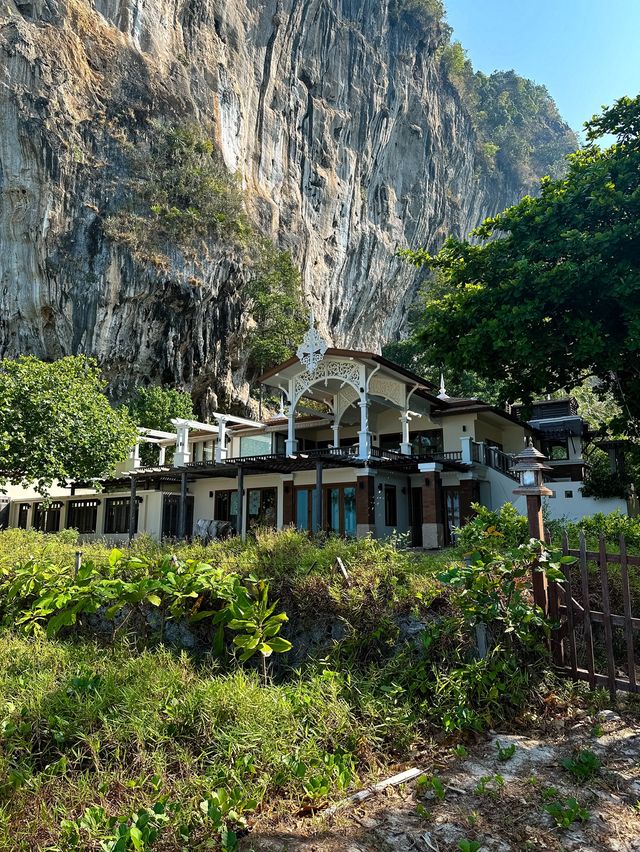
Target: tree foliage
181 195
520 131
276 305
179 192
154 408
548 292
57 422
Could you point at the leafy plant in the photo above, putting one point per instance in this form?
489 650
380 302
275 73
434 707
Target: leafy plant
493 530
567 811
506 752
460 751
469 845
258 627
584 765
489 784
434 784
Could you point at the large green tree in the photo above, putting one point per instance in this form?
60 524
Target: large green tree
154 408
548 292
56 422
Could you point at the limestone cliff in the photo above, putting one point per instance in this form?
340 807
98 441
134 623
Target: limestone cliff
337 115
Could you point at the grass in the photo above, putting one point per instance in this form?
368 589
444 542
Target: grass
110 727
127 744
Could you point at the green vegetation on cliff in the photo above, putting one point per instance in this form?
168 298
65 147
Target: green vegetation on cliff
181 197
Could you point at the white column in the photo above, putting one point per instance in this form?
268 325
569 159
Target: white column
467 456
336 434
162 452
405 446
364 436
183 455
134 456
221 443
291 445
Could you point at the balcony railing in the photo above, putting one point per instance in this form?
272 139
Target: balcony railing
449 455
493 457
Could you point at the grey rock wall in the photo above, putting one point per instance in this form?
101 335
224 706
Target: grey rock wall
349 141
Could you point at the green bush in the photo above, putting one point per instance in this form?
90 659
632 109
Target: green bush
493 531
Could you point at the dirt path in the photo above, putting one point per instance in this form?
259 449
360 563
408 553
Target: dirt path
495 804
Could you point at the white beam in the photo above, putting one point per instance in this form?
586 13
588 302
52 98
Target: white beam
155 433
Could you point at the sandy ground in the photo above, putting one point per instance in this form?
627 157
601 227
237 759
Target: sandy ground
491 814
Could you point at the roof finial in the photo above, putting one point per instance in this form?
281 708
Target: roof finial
443 391
311 351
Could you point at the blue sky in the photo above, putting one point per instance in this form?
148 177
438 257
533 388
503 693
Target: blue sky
586 52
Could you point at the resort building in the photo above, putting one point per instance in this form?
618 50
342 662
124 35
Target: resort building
359 446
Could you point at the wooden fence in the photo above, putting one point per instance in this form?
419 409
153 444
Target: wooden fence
597 637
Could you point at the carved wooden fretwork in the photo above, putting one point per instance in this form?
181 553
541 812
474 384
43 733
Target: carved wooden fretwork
342 400
347 372
389 389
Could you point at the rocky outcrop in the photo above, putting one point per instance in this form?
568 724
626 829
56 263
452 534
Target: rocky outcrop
337 115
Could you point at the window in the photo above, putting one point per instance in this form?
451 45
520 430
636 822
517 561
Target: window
262 505
390 506
556 450
47 519
255 445
116 515
568 494
83 515
171 513
423 443
306 507
23 516
226 507
340 514
427 442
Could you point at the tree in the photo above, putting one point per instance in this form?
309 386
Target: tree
548 292
57 423
154 408
276 305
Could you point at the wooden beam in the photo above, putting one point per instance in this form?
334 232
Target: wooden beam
182 507
132 509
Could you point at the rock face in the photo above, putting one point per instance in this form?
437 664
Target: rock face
336 114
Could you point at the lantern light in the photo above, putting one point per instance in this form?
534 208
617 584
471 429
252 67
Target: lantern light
529 467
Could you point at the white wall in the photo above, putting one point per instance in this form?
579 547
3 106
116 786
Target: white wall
577 507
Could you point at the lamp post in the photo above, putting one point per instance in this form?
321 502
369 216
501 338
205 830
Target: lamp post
529 466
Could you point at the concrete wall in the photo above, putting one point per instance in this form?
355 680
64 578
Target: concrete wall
576 507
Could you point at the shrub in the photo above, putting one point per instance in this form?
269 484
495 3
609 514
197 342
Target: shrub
493 531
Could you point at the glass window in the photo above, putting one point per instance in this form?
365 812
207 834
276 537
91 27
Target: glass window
341 509
23 516
47 519
226 507
306 507
350 512
262 506
83 515
170 515
427 442
390 506
255 445
116 515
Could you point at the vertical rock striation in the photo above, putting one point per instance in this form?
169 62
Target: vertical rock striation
336 114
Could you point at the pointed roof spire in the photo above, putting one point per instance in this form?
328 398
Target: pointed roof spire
311 351
443 391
